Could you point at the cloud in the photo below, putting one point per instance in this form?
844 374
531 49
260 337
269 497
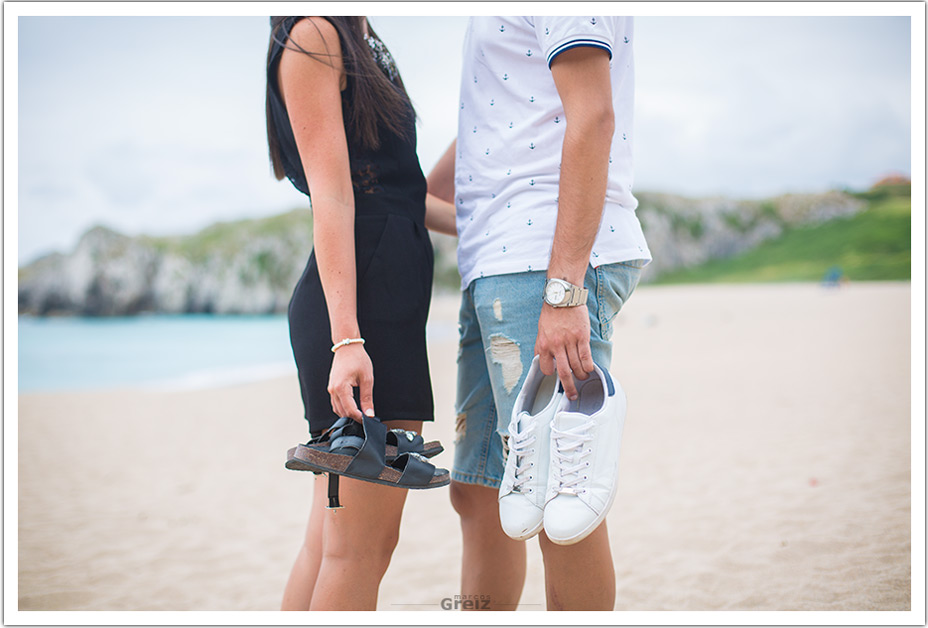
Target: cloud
157 124
759 106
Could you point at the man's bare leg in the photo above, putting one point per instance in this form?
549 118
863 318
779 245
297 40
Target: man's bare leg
579 577
493 564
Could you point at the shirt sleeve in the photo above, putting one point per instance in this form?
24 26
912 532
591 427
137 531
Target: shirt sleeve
556 34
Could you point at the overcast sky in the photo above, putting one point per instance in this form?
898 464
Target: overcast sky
156 124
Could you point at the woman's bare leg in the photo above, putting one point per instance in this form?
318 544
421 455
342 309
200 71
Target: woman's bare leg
299 590
355 544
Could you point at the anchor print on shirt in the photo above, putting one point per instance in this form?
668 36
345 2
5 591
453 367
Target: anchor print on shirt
547 32
505 76
488 151
502 28
532 145
529 223
532 99
593 21
626 40
510 125
509 172
557 120
531 182
528 53
492 101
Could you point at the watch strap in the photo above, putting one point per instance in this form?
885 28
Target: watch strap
578 296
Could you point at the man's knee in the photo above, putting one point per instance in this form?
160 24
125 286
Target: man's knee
472 501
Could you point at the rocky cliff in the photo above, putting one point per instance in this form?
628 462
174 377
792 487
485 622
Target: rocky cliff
251 266
245 267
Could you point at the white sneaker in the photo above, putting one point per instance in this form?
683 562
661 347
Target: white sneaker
522 492
586 435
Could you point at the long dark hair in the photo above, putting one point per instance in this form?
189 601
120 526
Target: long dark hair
370 100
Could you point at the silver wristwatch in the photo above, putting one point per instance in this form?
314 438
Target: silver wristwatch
560 293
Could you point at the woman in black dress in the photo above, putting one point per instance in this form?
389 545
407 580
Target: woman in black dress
342 130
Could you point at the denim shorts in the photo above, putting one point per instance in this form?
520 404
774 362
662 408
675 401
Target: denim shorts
498 325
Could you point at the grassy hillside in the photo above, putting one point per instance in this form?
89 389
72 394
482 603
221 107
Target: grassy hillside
875 244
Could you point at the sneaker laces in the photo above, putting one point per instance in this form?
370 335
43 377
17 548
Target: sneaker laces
568 457
519 443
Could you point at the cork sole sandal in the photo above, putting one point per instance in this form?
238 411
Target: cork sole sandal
398 442
363 458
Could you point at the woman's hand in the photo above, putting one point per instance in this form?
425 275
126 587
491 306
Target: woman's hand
351 368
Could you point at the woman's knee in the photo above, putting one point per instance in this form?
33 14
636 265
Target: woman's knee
373 551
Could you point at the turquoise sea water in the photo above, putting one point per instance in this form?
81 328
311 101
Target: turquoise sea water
159 351
165 352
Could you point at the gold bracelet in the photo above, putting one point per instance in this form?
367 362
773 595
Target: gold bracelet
346 341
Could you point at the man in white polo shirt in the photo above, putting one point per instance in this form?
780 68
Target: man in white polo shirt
542 178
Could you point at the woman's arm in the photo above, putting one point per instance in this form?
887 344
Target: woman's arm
311 89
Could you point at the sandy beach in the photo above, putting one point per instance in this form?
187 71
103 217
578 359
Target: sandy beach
765 465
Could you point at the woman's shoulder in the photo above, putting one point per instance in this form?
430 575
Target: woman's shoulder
316 35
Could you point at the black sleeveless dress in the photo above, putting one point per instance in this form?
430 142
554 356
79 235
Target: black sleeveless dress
394 272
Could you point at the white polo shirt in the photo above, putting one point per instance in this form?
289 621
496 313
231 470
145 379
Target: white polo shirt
510 136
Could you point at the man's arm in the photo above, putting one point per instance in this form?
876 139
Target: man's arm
583 83
441 178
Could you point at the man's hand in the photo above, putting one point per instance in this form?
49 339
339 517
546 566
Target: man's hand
564 343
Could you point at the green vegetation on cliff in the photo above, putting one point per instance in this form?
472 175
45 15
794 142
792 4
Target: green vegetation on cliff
229 238
875 244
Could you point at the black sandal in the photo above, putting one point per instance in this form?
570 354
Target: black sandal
364 458
398 442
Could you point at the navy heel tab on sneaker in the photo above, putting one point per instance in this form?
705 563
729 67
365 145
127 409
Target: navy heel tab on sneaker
608 379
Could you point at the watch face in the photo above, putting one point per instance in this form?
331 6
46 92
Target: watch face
554 293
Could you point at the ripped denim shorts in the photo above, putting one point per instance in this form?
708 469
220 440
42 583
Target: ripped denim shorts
498 325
